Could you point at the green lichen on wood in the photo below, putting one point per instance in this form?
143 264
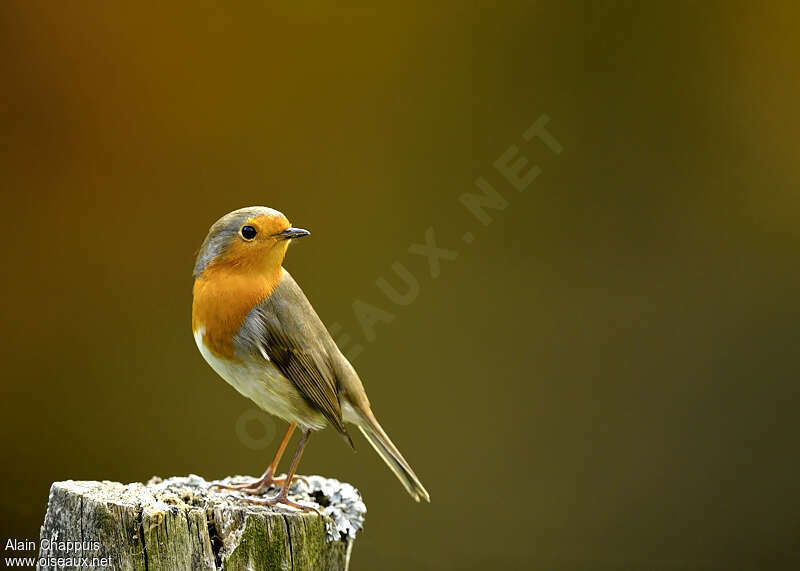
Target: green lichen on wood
263 544
104 521
312 550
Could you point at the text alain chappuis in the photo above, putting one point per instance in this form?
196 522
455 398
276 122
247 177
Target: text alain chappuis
75 549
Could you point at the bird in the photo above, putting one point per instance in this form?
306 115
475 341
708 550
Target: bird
258 331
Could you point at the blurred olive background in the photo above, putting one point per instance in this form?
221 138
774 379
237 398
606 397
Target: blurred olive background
606 378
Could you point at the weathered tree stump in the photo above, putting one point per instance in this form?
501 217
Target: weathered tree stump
185 523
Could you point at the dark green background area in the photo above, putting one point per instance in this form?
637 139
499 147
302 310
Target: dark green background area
606 378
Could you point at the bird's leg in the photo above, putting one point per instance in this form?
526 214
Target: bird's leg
266 480
282 497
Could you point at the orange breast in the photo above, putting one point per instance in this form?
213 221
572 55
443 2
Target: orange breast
222 300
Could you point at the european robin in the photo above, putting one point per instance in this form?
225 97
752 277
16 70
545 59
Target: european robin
258 331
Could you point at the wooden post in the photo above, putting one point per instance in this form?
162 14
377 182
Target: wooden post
184 523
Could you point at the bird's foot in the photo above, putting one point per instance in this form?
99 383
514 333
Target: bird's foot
255 487
280 499
261 485
282 480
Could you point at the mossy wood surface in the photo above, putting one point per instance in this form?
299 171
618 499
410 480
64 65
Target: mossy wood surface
184 523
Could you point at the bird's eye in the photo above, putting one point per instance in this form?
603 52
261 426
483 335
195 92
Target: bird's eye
248 232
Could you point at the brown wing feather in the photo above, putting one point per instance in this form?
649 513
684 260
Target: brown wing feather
298 344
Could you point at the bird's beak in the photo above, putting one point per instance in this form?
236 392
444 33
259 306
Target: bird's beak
291 233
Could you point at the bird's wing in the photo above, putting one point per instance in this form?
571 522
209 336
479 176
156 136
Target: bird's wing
299 345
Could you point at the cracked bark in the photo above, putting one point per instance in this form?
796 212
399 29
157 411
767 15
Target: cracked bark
183 523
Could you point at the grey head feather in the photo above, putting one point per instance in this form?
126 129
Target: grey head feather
224 231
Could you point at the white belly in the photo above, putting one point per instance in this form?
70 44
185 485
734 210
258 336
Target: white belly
262 383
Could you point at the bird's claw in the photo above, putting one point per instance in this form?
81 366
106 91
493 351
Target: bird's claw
280 499
258 487
282 480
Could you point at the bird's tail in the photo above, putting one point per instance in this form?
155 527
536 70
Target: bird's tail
386 449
